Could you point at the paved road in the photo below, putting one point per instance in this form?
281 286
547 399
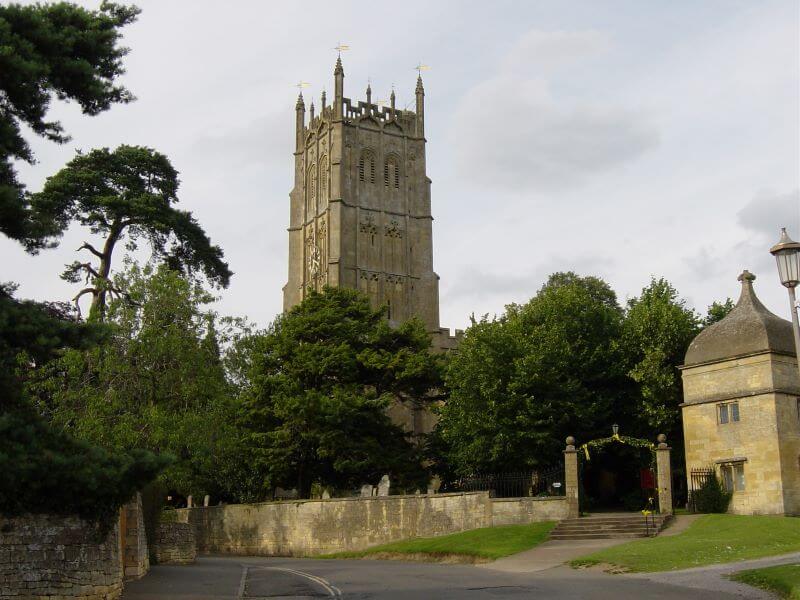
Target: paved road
235 578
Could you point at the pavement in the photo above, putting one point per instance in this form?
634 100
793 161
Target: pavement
240 578
549 554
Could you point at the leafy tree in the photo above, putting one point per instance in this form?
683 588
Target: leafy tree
158 383
718 311
658 329
321 381
51 50
128 192
521 383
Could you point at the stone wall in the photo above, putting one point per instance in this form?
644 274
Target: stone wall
520 511
309 527
56 557
175 544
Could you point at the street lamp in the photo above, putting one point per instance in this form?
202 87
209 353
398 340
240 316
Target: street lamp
615 429
787 253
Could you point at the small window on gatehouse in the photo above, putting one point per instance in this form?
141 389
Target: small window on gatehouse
733 476
728 412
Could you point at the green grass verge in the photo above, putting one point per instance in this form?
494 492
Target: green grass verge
487 543
784 580
710 540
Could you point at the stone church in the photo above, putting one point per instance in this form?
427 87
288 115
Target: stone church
360 211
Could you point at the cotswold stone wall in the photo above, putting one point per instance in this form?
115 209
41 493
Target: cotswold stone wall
519 511
175 544
56 557
136 558
308 527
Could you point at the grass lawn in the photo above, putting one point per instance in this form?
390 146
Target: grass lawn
488 543
783 580
709 540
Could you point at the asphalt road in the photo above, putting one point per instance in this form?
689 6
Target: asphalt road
237 578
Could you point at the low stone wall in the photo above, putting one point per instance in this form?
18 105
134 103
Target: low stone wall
175 544
56 557
520 511
307 527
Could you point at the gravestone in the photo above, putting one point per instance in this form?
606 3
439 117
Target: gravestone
366 491
383 486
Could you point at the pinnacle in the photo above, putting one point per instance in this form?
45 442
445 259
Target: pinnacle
339 70
746 276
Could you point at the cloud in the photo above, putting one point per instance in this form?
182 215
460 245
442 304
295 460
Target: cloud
767 212
515 132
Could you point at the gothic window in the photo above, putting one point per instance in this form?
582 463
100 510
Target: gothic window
311 192
323 183
366 167
391 173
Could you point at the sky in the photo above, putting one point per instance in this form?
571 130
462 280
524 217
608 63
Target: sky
622 139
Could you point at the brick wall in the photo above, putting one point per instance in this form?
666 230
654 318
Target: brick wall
308 527
56 557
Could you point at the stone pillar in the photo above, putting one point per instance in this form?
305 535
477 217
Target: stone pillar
571 478
135 556
664 475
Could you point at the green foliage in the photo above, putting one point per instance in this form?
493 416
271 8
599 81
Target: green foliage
657 331
51 50
43 470
711 539
128 193
718 311
521 383
321 380
158 383
712 497
485 543
31 333
783 580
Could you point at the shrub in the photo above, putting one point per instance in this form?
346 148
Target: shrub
712 497
43 470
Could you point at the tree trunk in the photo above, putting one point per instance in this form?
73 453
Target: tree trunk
102 281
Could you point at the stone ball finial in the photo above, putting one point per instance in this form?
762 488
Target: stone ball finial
661 438
570 441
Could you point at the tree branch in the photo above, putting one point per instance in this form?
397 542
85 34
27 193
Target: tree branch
90 248
88 290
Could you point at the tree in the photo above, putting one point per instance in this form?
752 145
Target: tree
158 383
128 192
521 383
718 311
658 329
51 50
321 381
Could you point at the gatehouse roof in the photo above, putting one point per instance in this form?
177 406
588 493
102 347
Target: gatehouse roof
749 328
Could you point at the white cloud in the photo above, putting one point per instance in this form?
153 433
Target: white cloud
514 131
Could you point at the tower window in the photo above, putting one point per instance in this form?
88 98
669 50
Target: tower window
366 167
391 173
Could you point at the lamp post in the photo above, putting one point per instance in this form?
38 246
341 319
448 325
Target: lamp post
787 253
615 429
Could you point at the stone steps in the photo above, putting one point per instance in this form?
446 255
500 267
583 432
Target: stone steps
597 527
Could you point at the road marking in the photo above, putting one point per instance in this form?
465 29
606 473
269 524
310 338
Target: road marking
331 589
242 582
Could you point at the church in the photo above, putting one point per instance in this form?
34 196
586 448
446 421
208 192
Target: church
360 209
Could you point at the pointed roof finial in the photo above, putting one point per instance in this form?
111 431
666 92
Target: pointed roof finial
324 98
420 89
392 98
300 104
747 278
369 92
339 70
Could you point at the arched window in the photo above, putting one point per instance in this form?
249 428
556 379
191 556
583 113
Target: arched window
391 173
323 183
311 192
366 167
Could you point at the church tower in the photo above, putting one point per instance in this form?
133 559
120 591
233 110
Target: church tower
360 212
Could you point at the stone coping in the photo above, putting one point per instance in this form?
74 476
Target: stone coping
737 395
685 366
349 499
529 498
